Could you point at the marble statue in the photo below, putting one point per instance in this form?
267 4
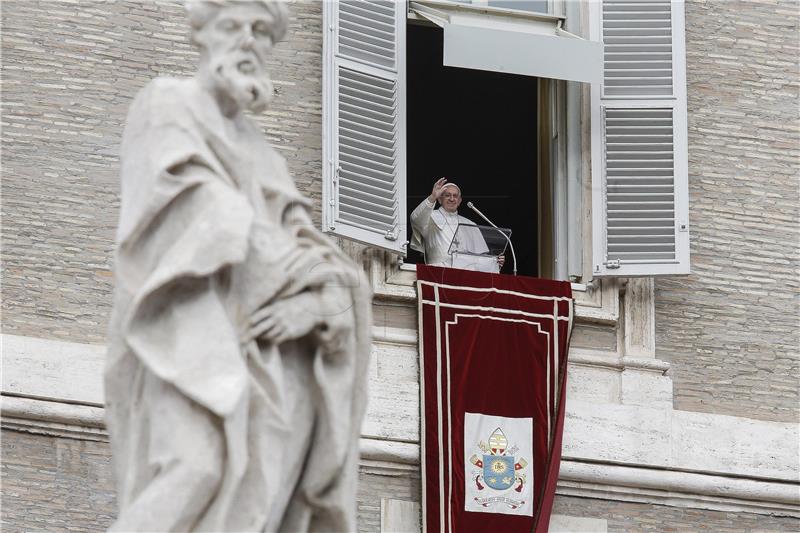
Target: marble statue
239 341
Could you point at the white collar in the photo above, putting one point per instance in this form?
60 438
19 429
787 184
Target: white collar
443 218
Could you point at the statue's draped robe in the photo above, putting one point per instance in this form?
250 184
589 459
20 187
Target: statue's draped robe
208 432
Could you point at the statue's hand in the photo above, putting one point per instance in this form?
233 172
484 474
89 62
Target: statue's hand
284 320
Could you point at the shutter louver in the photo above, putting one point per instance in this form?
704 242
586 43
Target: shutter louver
637 38
363 110
367 158
639 144
367 32
639 182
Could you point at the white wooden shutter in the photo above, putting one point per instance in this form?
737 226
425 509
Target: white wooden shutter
639 141
364 189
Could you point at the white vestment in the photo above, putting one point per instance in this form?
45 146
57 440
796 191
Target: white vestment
433 232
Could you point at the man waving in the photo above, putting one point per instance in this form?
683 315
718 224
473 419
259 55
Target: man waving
433 229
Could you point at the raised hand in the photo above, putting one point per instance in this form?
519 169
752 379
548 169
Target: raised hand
438 187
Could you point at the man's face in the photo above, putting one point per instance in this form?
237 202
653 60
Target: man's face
237 43
450 199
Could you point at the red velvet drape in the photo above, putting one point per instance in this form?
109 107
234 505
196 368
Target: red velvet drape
494 346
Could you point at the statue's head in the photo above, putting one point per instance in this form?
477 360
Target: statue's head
235 37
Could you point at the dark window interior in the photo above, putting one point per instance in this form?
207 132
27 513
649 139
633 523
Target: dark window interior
479 130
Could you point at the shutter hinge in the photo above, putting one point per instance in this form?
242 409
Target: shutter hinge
612 263
392 234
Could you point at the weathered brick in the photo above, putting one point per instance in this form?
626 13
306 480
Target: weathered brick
730 329
630 517
70 71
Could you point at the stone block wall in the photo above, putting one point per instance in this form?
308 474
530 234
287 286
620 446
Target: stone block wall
64 485
57 485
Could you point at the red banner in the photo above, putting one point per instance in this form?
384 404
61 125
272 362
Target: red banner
493 370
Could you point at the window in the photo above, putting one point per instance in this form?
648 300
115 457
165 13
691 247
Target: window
638 139
478 129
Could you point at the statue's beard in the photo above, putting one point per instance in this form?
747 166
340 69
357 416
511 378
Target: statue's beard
243 80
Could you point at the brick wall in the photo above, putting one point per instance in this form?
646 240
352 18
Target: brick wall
70 71
630 517
731 328
54 484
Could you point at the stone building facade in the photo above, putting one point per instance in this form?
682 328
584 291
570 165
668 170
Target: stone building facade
684 398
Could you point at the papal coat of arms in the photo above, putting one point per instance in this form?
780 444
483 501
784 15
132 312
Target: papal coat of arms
500 473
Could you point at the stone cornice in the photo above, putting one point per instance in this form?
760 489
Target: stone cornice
617 451
588 479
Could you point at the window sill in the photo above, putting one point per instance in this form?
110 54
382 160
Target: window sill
596 302
412 267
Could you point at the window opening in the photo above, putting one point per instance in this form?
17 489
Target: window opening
479 130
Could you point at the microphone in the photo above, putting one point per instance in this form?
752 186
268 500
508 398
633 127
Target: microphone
513 255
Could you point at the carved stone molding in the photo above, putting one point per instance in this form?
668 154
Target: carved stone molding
678 489
639 324
627 444
590 479
393 281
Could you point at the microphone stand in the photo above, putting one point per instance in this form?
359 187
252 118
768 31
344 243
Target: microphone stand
513 255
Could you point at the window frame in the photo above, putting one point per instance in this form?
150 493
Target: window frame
573 132
565 201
